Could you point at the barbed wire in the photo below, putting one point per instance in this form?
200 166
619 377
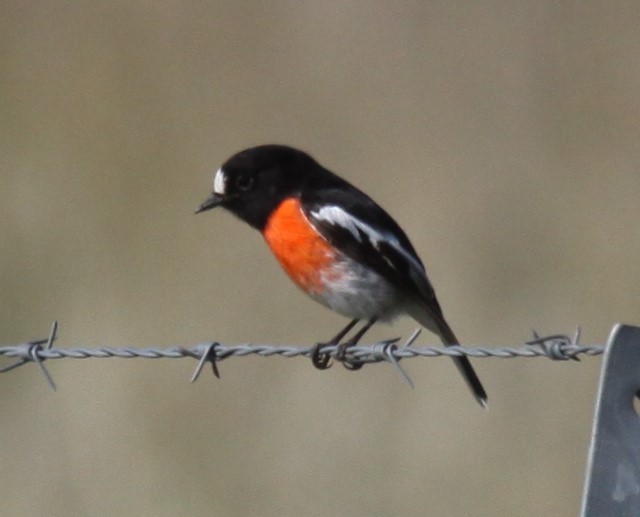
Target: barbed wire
559 347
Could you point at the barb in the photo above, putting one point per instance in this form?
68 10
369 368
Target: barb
31 352
554 344
208 355
557 347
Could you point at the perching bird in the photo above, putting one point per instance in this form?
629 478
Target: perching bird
334 242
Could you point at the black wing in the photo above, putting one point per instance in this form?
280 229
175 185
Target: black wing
355 224
360 228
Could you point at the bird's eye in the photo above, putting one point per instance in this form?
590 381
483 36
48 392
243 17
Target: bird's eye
244 182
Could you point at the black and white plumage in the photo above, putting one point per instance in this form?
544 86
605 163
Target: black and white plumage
362 264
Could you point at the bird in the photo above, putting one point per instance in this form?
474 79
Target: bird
336 244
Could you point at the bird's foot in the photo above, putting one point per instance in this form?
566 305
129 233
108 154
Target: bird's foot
341 355
322 360
319 359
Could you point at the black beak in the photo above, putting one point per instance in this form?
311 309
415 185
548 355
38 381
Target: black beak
212 201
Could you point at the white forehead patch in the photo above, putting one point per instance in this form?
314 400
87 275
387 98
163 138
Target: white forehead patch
219 183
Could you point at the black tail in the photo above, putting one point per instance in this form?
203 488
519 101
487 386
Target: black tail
464 365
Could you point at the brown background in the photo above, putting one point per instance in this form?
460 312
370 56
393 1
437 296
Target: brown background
502 135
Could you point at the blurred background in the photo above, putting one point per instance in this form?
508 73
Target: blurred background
502 135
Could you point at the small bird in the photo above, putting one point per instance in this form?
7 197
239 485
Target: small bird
335 243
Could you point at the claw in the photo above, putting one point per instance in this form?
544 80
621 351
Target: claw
321 361
341 355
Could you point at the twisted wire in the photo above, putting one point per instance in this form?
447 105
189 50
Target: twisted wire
555 347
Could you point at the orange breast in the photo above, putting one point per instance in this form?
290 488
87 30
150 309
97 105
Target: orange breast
302 252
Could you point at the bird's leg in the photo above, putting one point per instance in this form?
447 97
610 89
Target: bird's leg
321 361
342 347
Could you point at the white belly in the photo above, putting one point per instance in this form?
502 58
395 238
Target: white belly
356 291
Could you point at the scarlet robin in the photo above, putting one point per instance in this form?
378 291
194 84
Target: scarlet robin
334 242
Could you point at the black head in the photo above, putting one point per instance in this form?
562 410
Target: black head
253 182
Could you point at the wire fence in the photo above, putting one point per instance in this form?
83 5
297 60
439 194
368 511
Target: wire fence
606 455
559 347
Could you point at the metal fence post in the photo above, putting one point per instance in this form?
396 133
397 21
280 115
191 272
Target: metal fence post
612 484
